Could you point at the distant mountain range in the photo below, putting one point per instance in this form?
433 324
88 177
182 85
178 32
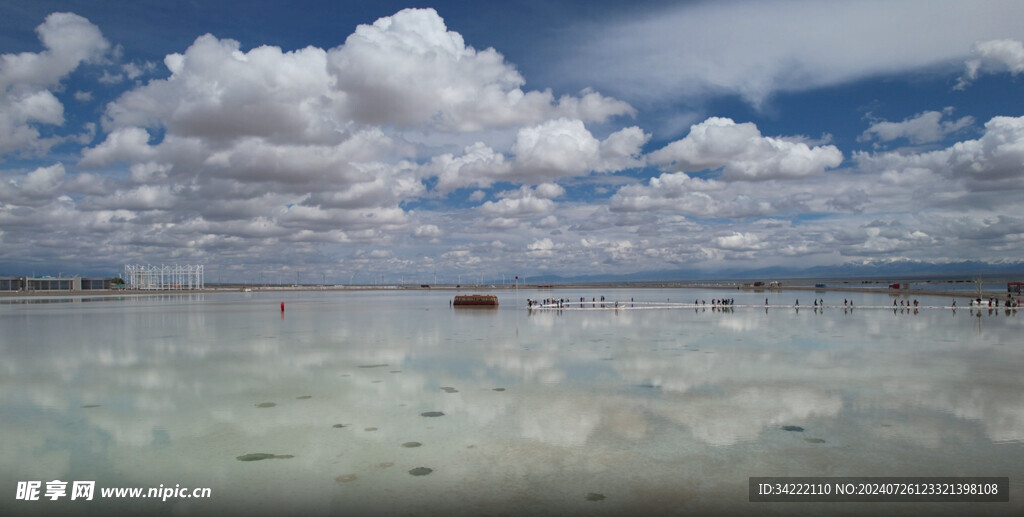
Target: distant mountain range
894 270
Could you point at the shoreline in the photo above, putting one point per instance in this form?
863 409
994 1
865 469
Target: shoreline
964 294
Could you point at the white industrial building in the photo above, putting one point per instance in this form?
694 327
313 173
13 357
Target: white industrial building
162 277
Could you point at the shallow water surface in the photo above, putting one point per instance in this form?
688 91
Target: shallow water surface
659 411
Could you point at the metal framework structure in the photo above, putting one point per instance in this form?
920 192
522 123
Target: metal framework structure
163 277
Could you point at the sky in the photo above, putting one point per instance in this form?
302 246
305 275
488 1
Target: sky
363 142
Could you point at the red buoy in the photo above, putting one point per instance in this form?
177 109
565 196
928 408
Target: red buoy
282 306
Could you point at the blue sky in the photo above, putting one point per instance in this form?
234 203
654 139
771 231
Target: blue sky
345 140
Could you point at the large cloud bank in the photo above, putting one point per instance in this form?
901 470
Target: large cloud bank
757 49
406 149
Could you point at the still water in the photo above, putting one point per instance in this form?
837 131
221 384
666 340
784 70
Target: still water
394 402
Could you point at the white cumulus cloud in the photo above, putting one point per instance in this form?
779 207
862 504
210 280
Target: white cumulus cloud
69 40
555 149
408 69
993 56
35 188
478 166
994 162
216 91
743 153
923 128
525 202
28 79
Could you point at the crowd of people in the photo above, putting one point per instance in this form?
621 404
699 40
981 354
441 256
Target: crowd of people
1010 302
717 302
560 302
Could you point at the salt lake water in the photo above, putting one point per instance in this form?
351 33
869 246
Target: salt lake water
393 402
